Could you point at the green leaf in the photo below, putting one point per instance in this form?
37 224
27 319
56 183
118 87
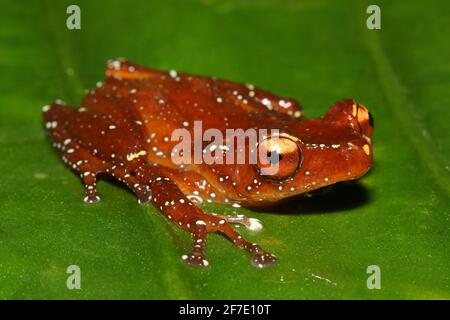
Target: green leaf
396 217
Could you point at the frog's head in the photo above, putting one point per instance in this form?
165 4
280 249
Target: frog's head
316 153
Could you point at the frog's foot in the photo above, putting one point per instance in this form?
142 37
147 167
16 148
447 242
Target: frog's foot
91 198
145 196
260 258
252 224
196 257
142 191
90 187
205 224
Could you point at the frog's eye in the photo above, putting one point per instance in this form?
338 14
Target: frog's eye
278 157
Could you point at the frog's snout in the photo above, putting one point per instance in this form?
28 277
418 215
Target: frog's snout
349 112
365 119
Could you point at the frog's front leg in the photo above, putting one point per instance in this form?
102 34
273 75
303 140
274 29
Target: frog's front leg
179 209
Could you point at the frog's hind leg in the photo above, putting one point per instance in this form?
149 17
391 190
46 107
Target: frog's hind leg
76 157
88 167
57 118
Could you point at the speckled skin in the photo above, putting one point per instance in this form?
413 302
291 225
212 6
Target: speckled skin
124 127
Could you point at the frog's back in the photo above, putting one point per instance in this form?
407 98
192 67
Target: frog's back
170 99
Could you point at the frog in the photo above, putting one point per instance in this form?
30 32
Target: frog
124 129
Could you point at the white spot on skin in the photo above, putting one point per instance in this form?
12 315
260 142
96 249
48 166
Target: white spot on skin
267 103
173 73
115 64
284 104
111 127
200 222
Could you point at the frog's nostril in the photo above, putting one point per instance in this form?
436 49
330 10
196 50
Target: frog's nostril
365 120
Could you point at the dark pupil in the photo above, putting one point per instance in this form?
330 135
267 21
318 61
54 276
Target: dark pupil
274 156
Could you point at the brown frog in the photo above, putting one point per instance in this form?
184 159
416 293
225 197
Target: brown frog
126 128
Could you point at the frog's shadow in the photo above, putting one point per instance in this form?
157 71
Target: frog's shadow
339 197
